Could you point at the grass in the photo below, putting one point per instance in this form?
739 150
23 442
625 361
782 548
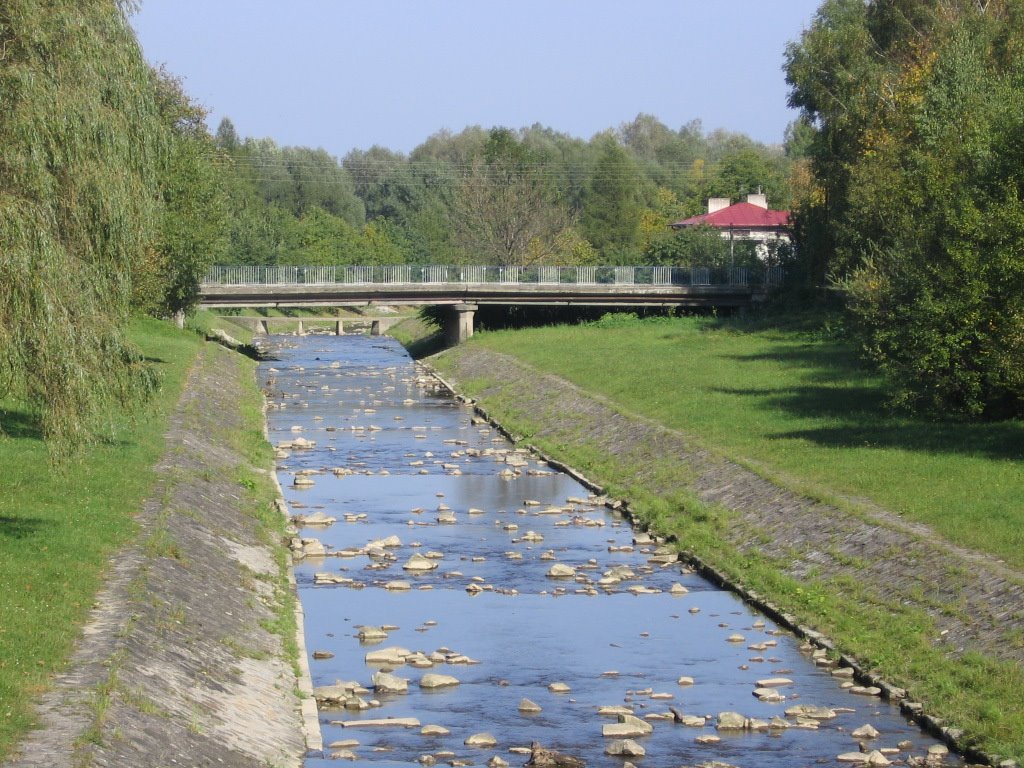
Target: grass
59 527
794 403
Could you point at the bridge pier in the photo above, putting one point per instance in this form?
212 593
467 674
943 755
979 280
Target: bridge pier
459 325
375 328
339 328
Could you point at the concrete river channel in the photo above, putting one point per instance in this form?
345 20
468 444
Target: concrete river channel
439 634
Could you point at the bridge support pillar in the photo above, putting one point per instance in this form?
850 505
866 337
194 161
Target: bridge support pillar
339 328
261 328
375 328
460 323
301 331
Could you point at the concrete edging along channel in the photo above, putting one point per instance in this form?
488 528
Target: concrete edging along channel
308 708
913 710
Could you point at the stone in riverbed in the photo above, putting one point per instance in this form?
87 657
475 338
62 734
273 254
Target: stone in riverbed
528 707
372 633
398 722
625 748
481 740
628 727
314 519
773 682
731 721
549 758
561 571
385 682
393 655
419 563
614 711
437 681
434 730
811 711
865 732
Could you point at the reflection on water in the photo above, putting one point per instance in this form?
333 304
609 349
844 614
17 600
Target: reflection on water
395 458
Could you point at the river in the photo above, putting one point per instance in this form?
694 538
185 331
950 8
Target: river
473 528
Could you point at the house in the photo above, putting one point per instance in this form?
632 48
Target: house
752 220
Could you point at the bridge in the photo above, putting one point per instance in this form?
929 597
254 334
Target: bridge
465 288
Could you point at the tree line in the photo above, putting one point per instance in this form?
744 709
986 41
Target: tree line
493 196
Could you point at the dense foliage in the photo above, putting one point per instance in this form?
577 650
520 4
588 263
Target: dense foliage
79 205
497 196
917 144
111 202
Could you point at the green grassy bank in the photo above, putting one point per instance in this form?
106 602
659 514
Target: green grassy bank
59 527
793 402
790 400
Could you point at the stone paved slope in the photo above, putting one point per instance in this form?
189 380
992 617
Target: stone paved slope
175 667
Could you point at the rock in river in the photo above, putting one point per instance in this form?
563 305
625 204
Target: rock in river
625 748
437 681
385 682
419 563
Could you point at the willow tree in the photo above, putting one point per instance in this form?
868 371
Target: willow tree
80 145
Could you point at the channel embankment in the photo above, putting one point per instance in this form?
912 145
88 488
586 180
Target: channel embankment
183 661
871 563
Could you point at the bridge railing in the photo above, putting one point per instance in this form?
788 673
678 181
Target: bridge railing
433 274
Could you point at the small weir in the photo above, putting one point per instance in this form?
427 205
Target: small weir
514 607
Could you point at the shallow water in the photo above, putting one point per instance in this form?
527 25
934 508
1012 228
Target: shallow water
370 411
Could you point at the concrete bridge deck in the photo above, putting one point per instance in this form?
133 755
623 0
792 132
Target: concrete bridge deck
464 288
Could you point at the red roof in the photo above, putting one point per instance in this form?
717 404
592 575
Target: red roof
739 216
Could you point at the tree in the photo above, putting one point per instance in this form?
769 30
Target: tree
194 228
226 137
505 210
79 206
611 205
918 153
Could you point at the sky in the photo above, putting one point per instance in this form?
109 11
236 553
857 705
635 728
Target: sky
343 75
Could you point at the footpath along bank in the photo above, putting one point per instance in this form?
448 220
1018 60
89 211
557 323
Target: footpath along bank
855 576
183 661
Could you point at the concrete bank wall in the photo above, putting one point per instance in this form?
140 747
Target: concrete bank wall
896 562
176 666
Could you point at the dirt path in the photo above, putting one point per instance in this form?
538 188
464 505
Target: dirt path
175 667
977 603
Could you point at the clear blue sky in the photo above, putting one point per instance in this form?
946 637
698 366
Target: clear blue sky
341 74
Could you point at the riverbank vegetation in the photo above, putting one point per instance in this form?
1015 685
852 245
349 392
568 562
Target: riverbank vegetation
788 397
